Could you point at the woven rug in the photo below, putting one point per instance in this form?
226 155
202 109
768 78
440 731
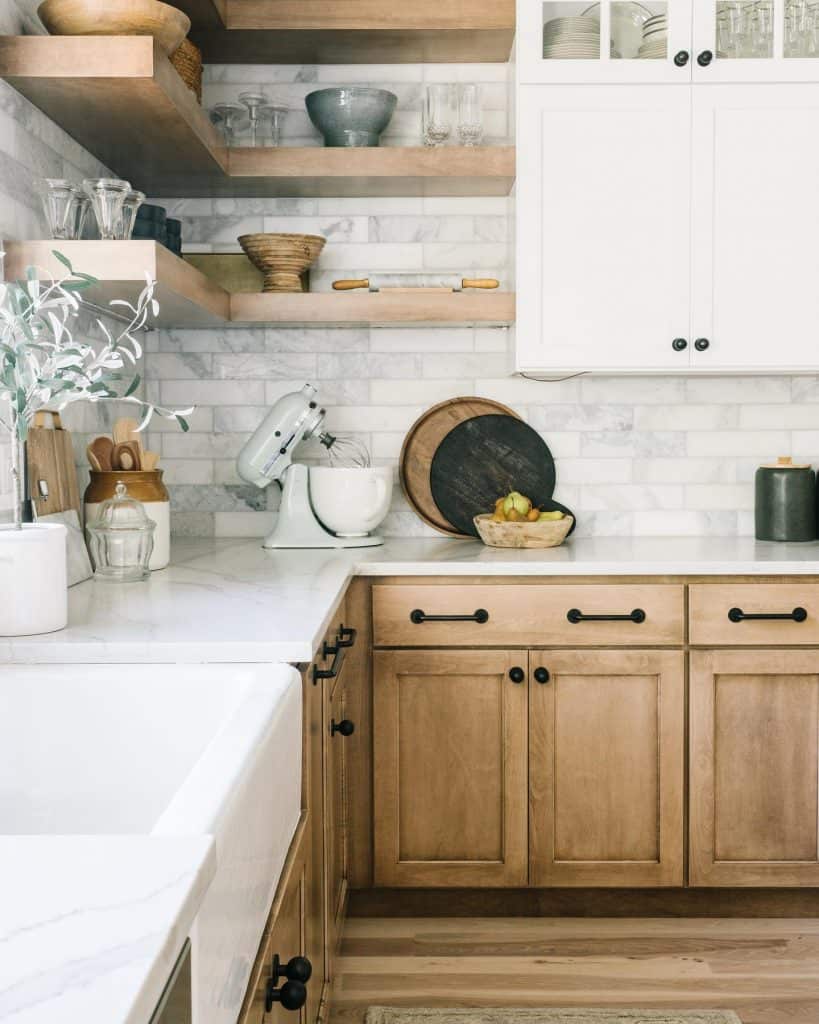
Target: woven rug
543 1015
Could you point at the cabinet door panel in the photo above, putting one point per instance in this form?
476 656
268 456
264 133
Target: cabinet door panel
606 768
603 227
756 260
450 768
336 816
754 758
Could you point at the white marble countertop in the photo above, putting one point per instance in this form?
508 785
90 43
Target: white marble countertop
229 600
91 926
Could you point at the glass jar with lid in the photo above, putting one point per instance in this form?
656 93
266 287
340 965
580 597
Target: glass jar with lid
122 538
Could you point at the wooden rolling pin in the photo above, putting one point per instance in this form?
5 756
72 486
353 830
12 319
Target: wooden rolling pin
415 282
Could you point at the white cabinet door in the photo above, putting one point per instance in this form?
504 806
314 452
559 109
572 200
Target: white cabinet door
609 41
755 41
603 227
755 227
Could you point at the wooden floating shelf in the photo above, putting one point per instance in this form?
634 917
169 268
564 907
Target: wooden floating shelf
353 31
187 298
120 98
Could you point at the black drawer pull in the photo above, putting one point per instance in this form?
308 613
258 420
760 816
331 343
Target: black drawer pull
417 616
738 615
345 727
574 615
337 651
293 993
346 636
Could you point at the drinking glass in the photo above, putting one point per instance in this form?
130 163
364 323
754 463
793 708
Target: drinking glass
231 118
470 120
65 207
271 122
254 101
437 113
130 205
107 196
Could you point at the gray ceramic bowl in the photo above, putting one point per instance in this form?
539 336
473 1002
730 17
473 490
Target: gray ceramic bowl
352 116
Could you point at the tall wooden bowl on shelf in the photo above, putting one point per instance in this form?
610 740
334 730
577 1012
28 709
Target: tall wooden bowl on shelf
282 258
116 18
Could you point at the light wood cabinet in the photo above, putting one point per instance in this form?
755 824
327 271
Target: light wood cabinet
606 768
450 768
753 795
336 812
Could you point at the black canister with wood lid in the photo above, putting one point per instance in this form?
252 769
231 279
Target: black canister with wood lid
785 502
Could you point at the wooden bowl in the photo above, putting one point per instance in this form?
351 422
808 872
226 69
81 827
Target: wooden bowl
282 258
166 24
548 534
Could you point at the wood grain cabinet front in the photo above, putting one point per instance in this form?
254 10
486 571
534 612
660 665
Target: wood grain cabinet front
606 768
748 614
450 768
754 721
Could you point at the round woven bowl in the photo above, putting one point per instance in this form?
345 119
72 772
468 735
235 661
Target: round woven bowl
187 59
548 534
116 18
282 259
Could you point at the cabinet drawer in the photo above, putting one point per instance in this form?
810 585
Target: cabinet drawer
723 614
521 615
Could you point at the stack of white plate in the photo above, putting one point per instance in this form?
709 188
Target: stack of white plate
655 38
575 37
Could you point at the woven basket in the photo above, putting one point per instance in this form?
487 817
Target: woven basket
187 59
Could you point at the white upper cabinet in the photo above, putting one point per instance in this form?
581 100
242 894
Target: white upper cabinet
756 259
667 41
603 234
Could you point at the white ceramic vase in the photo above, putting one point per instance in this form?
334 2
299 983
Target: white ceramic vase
33 580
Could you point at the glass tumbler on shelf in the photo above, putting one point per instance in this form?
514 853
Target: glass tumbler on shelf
231 119
130 205
65 207
271 122
437 113
470 117
107 196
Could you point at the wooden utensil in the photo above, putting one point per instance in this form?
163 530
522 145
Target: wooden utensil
149 461
484 458
126 457
419 448
125 430
415 283
52 474
99 454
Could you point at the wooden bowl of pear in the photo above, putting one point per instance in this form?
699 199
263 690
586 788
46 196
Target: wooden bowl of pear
166 24
548 533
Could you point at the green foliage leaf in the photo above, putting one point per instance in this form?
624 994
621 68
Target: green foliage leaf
183 423
132 386
66 262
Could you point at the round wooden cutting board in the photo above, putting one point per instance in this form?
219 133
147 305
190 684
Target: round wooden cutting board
484 458
420 445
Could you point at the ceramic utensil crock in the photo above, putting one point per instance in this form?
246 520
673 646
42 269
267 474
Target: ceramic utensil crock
146 487
785 505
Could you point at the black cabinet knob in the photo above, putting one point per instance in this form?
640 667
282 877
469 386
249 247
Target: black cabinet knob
292 995
516 674
541 675
679 344
345 727
701 344
297 968
681 58
705 58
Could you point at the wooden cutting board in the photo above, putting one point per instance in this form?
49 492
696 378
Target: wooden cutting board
484 458
420 446
52 475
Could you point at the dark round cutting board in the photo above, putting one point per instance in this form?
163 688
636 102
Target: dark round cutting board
484 458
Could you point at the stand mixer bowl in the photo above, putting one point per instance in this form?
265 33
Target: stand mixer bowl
350 501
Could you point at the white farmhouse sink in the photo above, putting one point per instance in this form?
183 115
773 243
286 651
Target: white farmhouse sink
165 750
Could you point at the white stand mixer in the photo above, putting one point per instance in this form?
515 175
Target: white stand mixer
268 456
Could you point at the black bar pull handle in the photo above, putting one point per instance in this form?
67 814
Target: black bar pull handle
337 651
480 615
346 636
738 615
574 615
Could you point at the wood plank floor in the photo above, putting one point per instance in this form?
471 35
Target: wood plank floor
766 970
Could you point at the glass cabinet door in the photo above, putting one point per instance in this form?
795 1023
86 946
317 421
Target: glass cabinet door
756 40
604 41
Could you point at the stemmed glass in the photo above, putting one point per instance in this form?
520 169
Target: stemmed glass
272 116
254 101
231 118
437 113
